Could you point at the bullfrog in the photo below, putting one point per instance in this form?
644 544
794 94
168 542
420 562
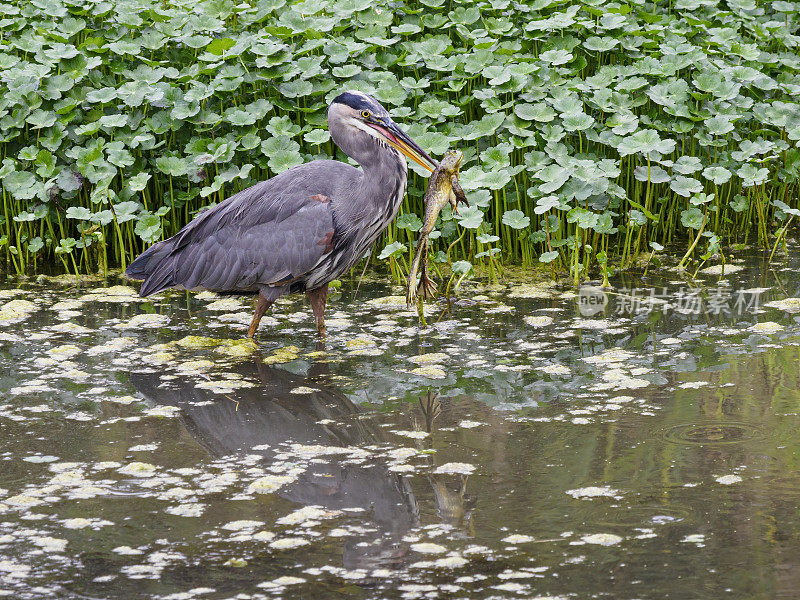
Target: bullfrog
443 188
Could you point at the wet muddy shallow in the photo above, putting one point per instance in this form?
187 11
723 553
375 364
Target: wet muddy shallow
527 445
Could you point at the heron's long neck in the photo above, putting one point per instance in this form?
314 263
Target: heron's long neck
383 185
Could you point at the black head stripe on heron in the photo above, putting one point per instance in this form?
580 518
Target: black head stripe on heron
299 230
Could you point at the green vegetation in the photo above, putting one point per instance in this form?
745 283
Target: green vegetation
592 131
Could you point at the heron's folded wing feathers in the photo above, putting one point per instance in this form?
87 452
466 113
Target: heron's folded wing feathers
269 234
271 253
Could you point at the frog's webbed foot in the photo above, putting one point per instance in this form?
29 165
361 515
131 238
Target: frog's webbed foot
427 286
411 294
425 289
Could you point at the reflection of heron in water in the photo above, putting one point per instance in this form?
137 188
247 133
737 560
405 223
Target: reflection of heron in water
272 415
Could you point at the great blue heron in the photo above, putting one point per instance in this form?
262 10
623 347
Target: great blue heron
301 229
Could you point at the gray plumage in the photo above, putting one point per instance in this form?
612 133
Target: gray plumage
262 239
299 230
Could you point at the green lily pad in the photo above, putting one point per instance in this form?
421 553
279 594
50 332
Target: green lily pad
685 186
546 203
394 249
317 136
471 217
20 184
535 112
138 182
718 175
692 218
409 221
283 153
80 213
516 219
752 175
220 45
548 257
171 165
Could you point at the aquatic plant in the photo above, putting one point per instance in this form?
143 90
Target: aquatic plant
592 131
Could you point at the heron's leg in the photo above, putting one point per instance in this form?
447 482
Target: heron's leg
261 308
317 298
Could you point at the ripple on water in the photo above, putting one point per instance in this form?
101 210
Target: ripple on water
125 488
713 434
642 516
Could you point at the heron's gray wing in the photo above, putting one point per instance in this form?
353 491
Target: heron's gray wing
271 253
267 235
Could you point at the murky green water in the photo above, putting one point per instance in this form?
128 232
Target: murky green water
518 449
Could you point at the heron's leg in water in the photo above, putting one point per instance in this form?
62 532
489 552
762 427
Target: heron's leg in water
317 298
261 308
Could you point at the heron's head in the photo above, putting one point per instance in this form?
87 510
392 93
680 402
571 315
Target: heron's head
352 115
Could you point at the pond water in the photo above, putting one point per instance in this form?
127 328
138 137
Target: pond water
531 443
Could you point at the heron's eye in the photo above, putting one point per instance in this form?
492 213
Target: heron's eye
365 114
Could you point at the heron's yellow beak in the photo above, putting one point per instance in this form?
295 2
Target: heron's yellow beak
400 141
